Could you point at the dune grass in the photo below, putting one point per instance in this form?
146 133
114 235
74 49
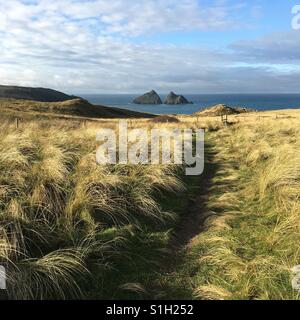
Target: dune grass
73 229
251 240
64 219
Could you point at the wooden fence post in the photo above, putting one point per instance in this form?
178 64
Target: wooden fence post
224 118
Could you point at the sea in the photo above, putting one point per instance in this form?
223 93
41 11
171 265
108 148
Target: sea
200 101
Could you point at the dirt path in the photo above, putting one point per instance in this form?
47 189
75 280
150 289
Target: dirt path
192 223
175 276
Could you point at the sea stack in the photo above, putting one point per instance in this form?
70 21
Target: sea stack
148 98
173 98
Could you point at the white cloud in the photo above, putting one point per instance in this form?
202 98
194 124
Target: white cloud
280 47
120 16
90 46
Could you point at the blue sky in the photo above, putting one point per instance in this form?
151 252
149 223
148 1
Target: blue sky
126 46
258 17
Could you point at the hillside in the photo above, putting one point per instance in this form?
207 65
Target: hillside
76 107
222 109
35 94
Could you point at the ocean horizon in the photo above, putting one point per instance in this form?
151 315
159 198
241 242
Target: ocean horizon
261 102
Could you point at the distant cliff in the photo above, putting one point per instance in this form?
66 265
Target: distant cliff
33 94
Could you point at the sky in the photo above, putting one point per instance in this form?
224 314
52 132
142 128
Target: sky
133 46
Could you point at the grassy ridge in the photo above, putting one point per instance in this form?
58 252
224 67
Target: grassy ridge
37 94
78 108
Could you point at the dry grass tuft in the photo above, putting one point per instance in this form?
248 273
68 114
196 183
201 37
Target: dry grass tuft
251 242
56 205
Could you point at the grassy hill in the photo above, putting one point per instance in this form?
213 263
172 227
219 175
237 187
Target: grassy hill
35 94
76 108
222 109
